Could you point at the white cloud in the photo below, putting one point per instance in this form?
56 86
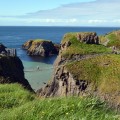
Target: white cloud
97 21
99 12
32 20
116 21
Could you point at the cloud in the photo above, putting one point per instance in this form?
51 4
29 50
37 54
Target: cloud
99 12
97 21
116 21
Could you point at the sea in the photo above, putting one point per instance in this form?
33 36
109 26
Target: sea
15 36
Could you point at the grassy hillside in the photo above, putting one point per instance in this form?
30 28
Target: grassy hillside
77 47
113 39
18 104
101 70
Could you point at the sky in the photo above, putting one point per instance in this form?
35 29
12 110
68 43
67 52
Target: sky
60 13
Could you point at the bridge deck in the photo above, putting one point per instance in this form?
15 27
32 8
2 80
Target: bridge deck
36 69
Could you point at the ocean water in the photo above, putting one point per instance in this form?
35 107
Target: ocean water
14 37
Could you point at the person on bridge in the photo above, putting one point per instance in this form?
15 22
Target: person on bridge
38 68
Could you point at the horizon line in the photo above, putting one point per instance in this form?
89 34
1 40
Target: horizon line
52 26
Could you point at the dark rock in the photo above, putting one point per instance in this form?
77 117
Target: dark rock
88 38
2 49
65 45
12 71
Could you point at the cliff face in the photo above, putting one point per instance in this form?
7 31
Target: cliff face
40 48
85 70
12 71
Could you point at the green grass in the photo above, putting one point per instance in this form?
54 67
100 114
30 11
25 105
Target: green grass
77 47
113 37
102 39
40 40
18 104
102 71
114 40
13 95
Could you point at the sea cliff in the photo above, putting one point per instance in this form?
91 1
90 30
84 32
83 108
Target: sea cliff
12 70
84 67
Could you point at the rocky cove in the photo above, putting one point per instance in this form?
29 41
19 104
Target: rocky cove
84 67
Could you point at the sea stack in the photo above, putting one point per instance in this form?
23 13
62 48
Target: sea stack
40 47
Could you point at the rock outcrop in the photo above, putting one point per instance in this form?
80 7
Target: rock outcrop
40 48
89 38
84 74
64 84
12 71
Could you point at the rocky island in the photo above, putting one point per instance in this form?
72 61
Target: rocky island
40 47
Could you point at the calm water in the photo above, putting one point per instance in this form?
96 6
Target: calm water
14 37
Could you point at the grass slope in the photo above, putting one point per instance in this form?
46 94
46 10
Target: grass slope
113 37
18 104
103 71
77 47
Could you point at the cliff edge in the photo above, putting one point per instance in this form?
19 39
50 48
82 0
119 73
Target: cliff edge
85 68
12 70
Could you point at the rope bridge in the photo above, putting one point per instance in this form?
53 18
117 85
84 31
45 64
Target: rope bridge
37 69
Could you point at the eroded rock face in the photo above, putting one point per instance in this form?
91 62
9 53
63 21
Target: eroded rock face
40 48
27 45
64 84
65 45
11 71
89 38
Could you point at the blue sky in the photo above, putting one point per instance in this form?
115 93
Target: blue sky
60 13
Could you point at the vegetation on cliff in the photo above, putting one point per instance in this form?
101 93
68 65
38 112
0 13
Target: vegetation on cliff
111 39
85 68
102 70
114 38
77 47
18 104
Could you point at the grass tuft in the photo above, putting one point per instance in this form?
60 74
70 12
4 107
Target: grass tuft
18 104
